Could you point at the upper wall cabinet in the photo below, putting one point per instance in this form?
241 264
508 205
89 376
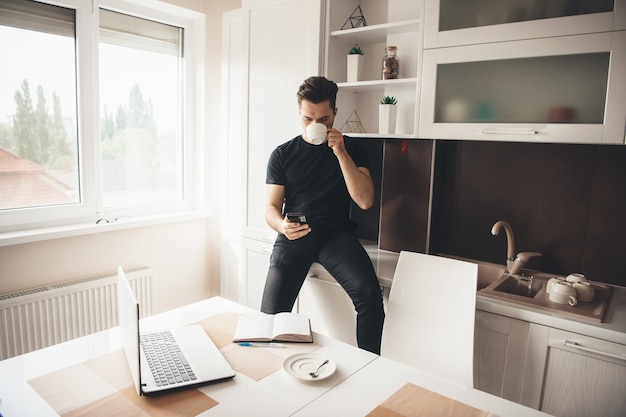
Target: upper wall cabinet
377 24
462 22
563 89
269 48
519 70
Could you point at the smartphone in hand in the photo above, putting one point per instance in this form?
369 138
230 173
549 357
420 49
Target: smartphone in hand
296 218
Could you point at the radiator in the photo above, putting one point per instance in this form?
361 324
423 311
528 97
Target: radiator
39 317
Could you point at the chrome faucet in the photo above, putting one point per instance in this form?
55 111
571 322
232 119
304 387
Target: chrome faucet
514 264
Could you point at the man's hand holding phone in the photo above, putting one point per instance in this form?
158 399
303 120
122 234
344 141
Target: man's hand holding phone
295 226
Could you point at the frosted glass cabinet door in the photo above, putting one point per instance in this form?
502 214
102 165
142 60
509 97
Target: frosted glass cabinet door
564 89
463 22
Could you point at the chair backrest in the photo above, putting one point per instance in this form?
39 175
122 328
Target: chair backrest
430 314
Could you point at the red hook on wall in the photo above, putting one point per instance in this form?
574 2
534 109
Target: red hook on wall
405 145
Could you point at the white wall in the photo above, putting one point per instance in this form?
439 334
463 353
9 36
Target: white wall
178 253
183 255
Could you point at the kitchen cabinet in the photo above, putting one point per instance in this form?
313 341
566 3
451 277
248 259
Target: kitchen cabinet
560 89
244 265
268 49
262 70
389 22
524 71
572 375
230 265
255 262
463 22
499 352
328 306
277 65
560 372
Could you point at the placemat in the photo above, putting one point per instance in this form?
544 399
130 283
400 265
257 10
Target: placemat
103 387
414 401
254 362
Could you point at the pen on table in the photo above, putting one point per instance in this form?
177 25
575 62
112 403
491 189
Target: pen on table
261 344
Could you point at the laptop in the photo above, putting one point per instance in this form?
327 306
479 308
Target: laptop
198 359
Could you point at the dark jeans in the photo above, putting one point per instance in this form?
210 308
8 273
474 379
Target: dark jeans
347 261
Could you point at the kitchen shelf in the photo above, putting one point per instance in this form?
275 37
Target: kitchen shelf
396 22
376 33
374 85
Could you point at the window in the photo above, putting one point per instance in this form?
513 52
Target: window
38 121
140 109
82 142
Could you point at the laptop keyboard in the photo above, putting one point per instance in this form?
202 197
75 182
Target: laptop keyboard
166 361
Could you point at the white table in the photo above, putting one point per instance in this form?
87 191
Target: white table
362 380
374 383
277 394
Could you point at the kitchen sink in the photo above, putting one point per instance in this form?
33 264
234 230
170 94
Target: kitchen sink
522 286
532 293
488 273
496 283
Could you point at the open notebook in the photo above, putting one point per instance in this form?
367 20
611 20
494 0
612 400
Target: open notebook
196 359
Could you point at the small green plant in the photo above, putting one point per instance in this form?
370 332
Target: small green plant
355 50
388 100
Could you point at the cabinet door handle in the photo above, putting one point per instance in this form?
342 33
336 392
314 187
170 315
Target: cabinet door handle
264 249
511 131
576 345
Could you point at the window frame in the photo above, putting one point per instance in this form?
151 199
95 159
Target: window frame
89 211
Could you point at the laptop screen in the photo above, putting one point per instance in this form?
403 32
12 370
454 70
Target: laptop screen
128 316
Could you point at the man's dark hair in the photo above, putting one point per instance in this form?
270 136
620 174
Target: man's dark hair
318 89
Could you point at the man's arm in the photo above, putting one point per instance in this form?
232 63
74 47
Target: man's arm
274 216
358 179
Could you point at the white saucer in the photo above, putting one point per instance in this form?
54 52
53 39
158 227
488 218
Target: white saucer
299 366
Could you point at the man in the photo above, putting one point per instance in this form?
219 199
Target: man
320 181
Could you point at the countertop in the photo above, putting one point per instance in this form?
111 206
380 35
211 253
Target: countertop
613 329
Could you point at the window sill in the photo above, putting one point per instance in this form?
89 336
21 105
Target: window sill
49 233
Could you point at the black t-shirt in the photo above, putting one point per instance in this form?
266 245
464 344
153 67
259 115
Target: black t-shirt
314 183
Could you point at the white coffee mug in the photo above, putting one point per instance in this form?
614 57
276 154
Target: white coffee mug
576 278
584 291
553 281
316 133
563 293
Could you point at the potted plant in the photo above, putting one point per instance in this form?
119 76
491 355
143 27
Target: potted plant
355 64
387 114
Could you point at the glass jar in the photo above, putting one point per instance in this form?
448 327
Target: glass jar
391 65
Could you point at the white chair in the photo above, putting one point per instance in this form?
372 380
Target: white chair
429 321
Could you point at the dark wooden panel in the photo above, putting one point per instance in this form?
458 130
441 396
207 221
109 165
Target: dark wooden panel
368 220
566 201
406 194
605 243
